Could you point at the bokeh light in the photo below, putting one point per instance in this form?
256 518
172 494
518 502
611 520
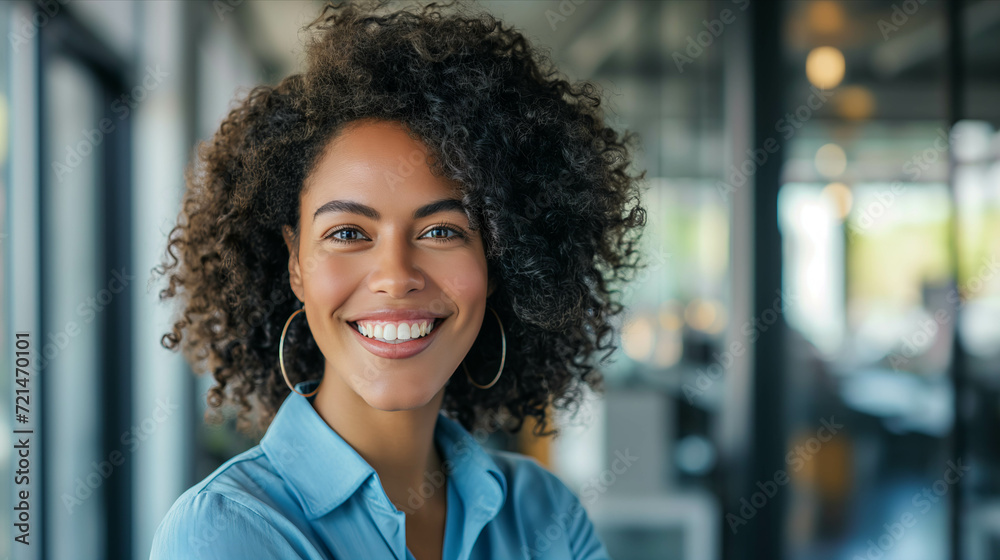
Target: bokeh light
840 195
707 316
855 103
825 17
825 67
831 161
638 337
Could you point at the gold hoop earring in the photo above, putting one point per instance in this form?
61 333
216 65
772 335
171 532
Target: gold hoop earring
281 357
503 355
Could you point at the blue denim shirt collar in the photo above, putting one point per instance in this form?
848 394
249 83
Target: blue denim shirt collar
323 471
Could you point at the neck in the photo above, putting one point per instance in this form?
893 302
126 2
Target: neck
399 444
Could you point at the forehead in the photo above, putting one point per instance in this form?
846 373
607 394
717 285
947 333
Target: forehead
379 164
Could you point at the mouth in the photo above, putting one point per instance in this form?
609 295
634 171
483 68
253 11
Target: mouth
397 349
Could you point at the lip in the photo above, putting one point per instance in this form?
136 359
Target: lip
399 351
396 315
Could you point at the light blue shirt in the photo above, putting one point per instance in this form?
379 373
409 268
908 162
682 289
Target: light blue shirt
304 492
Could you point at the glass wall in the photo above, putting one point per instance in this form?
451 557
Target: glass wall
808 366
887 249
73 310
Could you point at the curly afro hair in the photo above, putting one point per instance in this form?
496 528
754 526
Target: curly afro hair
544 180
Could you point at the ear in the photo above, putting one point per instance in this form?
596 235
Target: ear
491 286
294 271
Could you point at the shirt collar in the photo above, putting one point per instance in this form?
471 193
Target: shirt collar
323 470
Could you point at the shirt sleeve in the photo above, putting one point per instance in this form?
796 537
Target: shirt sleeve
583 540
212 526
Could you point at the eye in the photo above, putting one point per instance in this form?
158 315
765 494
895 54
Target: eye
446 228
335 235
353 234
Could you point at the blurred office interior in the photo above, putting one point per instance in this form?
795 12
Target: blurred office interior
809 366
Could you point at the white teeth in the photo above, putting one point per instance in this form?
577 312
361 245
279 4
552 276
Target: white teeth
395 333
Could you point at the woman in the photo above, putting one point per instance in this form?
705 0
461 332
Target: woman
424 229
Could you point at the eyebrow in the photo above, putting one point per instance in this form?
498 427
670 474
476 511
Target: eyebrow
352 207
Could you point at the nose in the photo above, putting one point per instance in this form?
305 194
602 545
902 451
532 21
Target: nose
394 271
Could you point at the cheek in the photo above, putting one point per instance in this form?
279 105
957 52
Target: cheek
465 283
328 282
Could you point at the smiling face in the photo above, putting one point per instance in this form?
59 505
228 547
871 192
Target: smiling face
379 233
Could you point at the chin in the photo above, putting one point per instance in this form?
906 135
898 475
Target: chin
400 396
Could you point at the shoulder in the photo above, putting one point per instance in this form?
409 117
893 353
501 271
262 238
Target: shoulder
526 475
207 524
544 502
223 516
247 478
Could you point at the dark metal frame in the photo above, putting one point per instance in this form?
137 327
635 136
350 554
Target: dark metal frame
65 36
769 83
955 61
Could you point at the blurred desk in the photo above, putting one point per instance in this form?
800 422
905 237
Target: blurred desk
684 526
